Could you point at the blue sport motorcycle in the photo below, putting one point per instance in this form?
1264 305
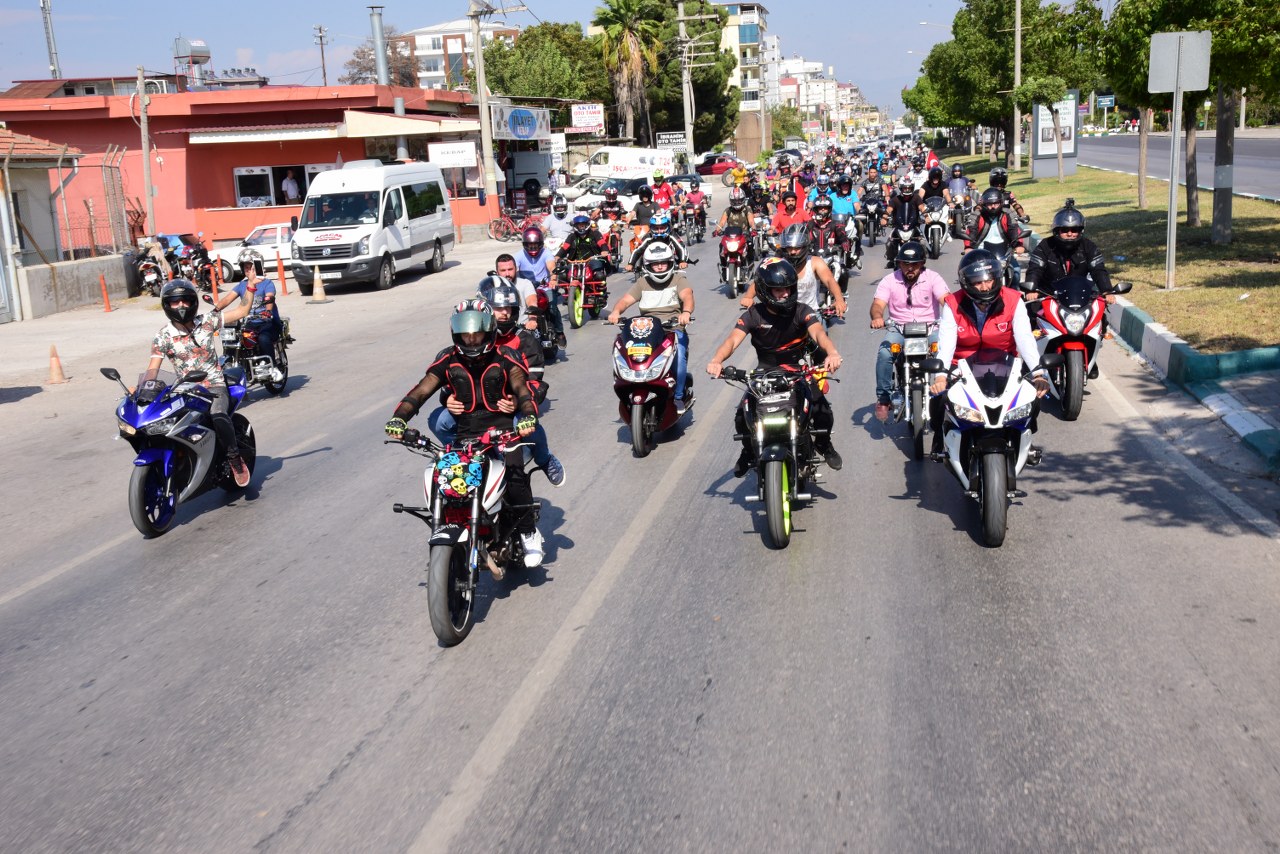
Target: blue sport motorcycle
167 423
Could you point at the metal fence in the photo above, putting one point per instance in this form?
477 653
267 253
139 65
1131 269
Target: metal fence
105 225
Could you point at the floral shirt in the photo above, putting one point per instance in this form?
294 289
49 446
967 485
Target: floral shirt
194 351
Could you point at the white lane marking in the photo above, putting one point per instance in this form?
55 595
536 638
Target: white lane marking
468 789
41 580
1165 451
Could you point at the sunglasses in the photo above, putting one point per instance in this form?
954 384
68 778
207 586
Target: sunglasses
1068 231
184 301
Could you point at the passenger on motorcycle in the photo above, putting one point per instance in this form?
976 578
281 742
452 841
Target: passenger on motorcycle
557 226
900 212
190 341
806 178
536 264
993 226
263 324
999 178
933 187
983 315
478 376
660 232
663 292
782 330
811 271
789 214
911 294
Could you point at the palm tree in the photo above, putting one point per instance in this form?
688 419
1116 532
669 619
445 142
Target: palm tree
629 39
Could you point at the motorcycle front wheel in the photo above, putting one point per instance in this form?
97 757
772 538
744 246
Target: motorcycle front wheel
917 423
282 362
152 512
640 433
449 594
575 306
777 502
993 499
1073 385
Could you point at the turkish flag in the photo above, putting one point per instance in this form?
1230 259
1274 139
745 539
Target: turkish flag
932 160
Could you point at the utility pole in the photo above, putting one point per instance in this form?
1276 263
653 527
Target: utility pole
1015 144
146 152
322 40
55 68
477 10
690 51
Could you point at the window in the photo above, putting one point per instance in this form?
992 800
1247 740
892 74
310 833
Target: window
748 33
436 43
253 186
431 66
394 205
423 199
91 90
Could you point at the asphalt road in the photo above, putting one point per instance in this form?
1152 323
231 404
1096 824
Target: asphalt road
1256 164
264 676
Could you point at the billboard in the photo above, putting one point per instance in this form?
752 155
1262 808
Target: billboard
525 123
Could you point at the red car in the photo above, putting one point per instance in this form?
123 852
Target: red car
716 164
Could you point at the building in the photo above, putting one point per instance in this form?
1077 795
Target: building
443 51
743 36
771 71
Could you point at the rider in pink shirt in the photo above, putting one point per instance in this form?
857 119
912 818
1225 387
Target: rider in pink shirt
912 294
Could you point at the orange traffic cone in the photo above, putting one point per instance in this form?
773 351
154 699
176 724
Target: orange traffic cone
56 376
284 289
106 300
317 290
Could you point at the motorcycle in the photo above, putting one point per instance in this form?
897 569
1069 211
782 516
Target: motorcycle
899 235
872 210
644 378
545 331
907 394
733 261
464 487
167 423
583 288
153 280
832 255
849 260
691 228
240 348
986 431
777 410
937 219
961 211
613 234
1070 323
761 229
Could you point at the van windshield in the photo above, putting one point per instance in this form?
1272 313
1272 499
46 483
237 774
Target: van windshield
335 209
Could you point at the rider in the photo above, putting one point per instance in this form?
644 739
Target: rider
660 232
958 185
263 324
557 225
190 341
934 187
824 232
610 207
845 203
821 187
912 294
478 377
993 226
900 212
999 178
810 270
759 202
781 327
739 173
918 174
982 315
699 200
537 264
585 243
663 193
788 214
664 293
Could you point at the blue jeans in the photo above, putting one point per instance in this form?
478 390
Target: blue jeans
884 362
682 361
445 426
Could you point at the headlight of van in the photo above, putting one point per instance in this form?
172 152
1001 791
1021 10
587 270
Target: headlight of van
364 245
293 250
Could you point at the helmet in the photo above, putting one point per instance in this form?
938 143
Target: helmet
773 273
1069 219
693 184
532 239
544 194
976 267
658 263
906 185
881 146
911 252
999 177
957 171
794 244
821 208
660 224
992 201
645 193
737 198
788 196
658 177
935 174
824 182
917 162
473 315
560 205
179 289
499 292
610 194
249 255
581 223
844 183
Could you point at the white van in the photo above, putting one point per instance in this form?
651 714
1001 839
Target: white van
615 161
368 220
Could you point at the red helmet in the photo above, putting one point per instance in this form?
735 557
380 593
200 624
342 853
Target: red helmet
532 240
610 194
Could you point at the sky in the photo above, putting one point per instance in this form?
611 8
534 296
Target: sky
877 47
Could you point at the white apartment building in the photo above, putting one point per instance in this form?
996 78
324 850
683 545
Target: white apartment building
444 50
744 35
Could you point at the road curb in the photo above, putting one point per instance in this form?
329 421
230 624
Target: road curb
1197 373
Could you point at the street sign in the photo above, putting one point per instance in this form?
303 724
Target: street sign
1084 109
1106 101
1179 61
587 115
673 140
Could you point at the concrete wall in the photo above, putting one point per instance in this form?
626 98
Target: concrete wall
48 289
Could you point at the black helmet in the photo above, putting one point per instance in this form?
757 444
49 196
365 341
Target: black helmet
911 252
936 174
180 289
992 201
957 171
844 183
473 315
794 244
821 208
773 273
645 193
788 195
1068 219
976 267
499 292
999 177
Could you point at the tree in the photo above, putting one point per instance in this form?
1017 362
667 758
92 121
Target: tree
1125 51
550 60
715 103
786 122
402 65
629 44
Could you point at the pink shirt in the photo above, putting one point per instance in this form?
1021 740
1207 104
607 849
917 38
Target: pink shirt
927 296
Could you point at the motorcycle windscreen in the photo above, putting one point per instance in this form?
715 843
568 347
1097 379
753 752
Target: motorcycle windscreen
935 203
991 368
642 336
1074 292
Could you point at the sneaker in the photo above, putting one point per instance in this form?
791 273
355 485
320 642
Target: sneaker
882 411
277 375
554 470
745 460
832 458
239 471
1093 371
561 341
532 549
681 409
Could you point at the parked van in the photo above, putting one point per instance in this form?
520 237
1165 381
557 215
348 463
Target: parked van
368 220
529 172
615 161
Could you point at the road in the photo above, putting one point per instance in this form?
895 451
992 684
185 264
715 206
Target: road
264 676
1257 161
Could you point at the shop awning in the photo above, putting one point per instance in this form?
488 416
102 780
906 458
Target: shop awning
260 133
361 124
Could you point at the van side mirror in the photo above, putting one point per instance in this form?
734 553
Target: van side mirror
293 223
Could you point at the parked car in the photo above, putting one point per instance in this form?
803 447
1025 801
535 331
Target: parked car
703 184
583 185
267 239
716 164
627 193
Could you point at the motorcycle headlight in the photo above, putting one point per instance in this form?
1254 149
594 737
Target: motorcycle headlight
1074 321
364 245
1022 413
161 427
965 413
126 429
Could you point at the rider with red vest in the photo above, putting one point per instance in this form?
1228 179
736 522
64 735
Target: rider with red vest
982 315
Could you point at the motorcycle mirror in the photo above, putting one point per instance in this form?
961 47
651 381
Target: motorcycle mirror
1027 287
934 366
1053 360
111 374
194 377
1122 287
207 298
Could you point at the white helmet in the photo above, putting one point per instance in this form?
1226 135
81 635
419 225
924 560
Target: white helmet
658 263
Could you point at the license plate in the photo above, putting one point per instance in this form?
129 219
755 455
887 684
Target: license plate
916 346
331 275
151 277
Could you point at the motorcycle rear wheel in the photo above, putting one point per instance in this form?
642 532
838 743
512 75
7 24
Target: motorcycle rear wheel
449 603
1073 385
575 306
640 434
917 423
993 499
152 513
777 502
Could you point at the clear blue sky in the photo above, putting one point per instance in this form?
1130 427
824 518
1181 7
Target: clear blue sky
867 43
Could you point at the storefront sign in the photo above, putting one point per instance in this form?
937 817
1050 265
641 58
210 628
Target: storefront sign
522 123
587 115
449 154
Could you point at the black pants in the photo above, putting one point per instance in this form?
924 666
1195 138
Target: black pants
222 426
519 491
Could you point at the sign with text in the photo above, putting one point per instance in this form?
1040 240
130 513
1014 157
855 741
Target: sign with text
587 115
1106 101
1043 144
523 123
672 140
558 144
450 154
